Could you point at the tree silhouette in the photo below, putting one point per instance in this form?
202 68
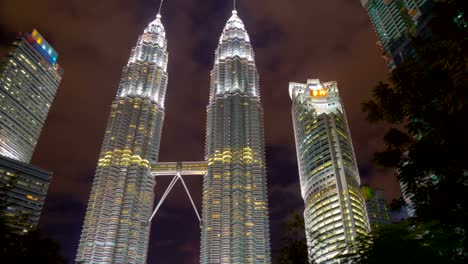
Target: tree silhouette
293 241
30 247
426 101
407 243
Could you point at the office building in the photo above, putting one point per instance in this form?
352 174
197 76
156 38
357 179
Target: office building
235 208
408 198
116 228
377 210
23 189
29 78
395 21
335 212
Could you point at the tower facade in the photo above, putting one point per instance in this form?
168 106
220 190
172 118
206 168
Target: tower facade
116 226
377 210
235 213
29 78
335 212
23 190
395 22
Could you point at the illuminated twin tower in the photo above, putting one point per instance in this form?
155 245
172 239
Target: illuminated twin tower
234 220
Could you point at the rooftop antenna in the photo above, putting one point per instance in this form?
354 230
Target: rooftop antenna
160 7
234 6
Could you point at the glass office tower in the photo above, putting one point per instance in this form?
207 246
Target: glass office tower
235 209
23 189
395 22
29 78
377 210
335 212
116 228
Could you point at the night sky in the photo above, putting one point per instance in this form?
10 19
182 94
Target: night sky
293 40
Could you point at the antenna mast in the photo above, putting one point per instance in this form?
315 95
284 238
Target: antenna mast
234 5
160 7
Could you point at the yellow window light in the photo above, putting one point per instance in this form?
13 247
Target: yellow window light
30 197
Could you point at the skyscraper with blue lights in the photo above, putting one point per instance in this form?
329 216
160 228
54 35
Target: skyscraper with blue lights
29 79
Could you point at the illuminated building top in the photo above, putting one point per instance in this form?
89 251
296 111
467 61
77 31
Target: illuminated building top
235 68
45 48
29 79
146 71
335 212
323 97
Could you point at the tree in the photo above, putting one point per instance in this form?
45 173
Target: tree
407 243
294 244
294 249
30 247
425 102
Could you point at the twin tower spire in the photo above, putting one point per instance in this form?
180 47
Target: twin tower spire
235 226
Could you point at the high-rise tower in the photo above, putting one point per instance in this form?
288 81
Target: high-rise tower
23 189
335 211
116 226
29 78
395 22
235 209
377 210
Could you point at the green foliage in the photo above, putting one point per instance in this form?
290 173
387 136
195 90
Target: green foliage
28 248
426 102
409 242
294 244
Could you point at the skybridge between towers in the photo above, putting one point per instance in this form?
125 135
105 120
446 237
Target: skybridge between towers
176 170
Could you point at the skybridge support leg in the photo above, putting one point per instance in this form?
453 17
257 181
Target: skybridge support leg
190 197
168 190
176 177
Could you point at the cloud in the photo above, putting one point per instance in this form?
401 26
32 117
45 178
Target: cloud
293 40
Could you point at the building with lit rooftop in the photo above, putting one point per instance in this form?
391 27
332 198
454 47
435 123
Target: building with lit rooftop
335 212
235 208
29 78
116 228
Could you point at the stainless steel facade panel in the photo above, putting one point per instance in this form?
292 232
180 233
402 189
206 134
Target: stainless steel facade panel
235 207
116 228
